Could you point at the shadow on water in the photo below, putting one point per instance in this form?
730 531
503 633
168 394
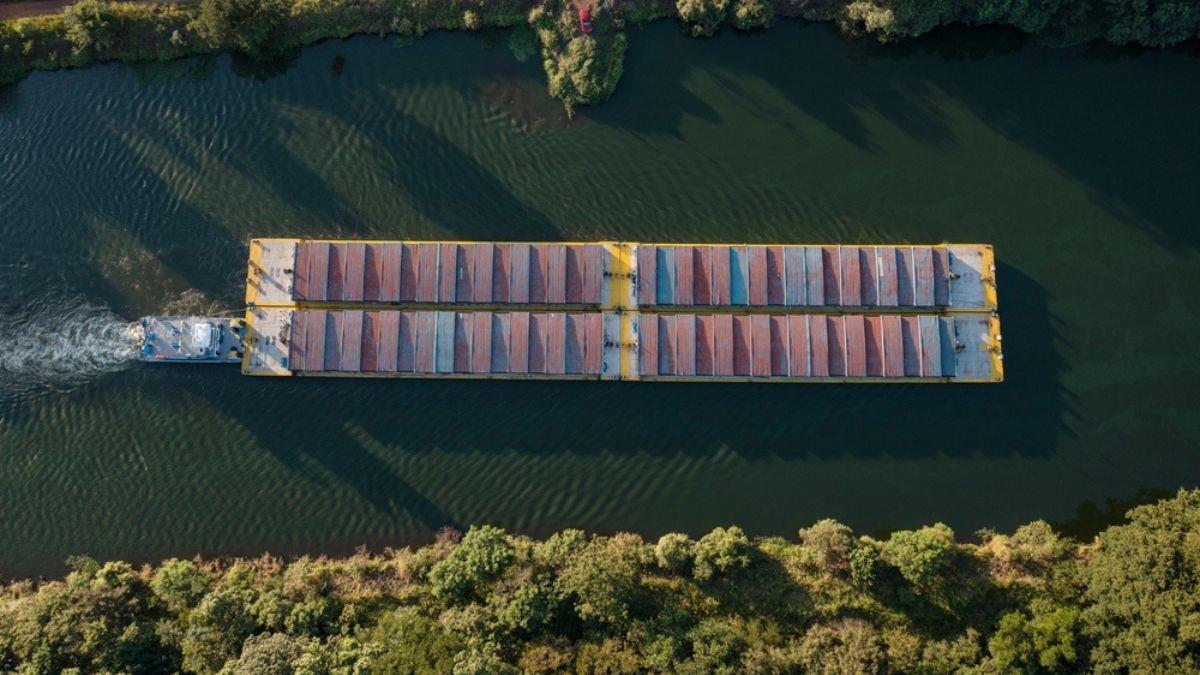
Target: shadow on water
1091 519
316 419
1069 113
297 437
817 76
438 179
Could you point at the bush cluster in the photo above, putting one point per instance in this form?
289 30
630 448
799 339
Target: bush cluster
580 69
490 602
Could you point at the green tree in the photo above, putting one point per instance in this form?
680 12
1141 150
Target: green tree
1036 547
716 647
602 579
268 654
588 70
675 552
1154 23
850 647
92 25
704 17
1032 16
102 619
248 26
529 609
1143 581
721 551
479 558
217 628
558 548
920 554
410 643
1045 641
314 617
752 14
180 584
831 541
892 19
863 561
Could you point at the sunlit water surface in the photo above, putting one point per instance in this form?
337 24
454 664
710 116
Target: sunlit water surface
126 191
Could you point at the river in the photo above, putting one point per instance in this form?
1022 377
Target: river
132 190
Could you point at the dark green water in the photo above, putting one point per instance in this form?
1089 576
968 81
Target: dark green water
129 191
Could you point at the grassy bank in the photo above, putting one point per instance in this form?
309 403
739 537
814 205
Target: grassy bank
487 602
580 68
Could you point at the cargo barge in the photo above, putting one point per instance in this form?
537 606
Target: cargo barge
621 275
620 311
613 311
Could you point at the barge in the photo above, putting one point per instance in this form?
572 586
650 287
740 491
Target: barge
615 311
623 311
622 275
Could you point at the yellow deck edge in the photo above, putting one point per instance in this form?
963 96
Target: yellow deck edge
996 348
991 300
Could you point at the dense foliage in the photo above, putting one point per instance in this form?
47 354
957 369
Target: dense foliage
580 68
489 602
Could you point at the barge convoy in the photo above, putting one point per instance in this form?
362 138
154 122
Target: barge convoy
604 311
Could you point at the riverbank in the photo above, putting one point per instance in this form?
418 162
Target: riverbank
490 602
580 68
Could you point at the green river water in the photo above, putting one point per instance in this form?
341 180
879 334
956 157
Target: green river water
132 190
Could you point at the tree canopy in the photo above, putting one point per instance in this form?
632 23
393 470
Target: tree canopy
920 601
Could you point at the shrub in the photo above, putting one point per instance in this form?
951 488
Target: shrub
863 561
91 25
830 540
920 554
1032 16
410 643
752 14
181 584
852 646
720 551
218 627
716 647
1142 585
704 17
589 70
481 556
268 654
1155 23
602 580
891 19
1045 641
675 552
249 26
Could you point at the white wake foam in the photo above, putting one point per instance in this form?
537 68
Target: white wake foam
62 343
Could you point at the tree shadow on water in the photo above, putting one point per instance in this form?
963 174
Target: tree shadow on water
1118 120
439 180
283 419
808 66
